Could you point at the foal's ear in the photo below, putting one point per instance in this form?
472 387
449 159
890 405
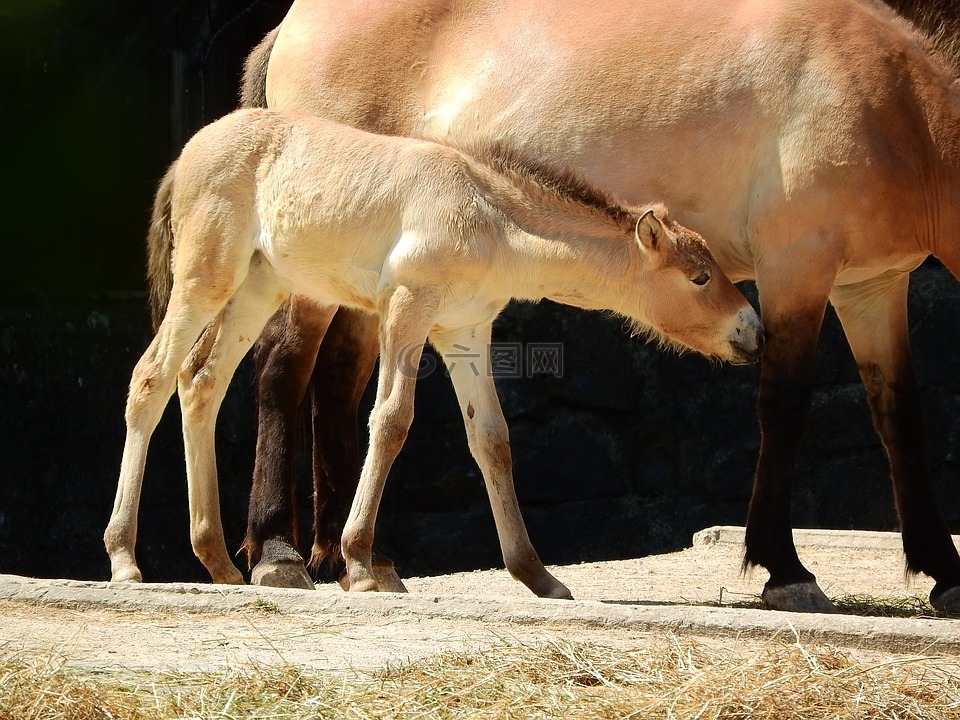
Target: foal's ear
650 231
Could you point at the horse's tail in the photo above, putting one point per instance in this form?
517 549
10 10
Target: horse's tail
253 90
160 249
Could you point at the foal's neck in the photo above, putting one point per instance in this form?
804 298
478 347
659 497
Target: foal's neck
586 272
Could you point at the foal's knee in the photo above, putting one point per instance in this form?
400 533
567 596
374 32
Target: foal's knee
390 424
195 388
148 394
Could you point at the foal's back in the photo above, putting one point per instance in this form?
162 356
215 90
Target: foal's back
330 207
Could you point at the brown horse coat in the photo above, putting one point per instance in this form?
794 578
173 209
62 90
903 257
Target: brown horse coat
816 145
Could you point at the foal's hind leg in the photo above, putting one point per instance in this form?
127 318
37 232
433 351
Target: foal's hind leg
874 317
202 385
489 442
153 382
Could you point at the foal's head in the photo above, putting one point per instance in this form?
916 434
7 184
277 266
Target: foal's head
686 300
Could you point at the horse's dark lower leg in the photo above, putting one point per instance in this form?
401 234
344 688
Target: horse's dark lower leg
343 368
285 355
785 392
898 418
886 367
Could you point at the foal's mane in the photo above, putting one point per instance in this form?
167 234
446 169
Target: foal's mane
545 177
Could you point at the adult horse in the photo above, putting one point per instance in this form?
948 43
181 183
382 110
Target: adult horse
815 144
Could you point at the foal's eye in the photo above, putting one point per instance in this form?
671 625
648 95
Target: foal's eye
701 278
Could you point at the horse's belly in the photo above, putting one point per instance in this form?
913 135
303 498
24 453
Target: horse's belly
323 267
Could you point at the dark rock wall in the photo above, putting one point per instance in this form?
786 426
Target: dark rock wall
627 453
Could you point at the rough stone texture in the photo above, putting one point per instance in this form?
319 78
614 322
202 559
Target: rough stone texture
692 593
626 454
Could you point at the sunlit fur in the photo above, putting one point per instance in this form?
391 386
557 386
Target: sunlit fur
263 204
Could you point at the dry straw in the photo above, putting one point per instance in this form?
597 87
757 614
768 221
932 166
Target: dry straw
662 677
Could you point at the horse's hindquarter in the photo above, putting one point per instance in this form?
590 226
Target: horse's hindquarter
328 212
755 122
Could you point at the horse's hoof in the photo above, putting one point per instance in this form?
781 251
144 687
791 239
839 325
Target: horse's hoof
281 574
281 566
385 574
127 575
560 593
946 601
806 597
231 576
552 589
387 579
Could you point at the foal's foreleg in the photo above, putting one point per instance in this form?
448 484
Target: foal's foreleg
203 382
466 353
344 363
405 319
874 317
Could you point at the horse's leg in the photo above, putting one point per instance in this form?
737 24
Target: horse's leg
793 300
405 318
874 318
284 356
203 382
152 384
344 364
466 353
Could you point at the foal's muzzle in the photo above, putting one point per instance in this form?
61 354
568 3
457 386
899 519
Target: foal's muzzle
747 339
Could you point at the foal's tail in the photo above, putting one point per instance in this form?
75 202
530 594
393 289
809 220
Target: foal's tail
160 249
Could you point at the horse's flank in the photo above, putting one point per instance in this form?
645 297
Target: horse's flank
784 100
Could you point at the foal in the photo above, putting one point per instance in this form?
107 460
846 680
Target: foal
263 204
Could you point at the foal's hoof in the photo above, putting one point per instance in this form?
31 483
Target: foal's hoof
946 601
281 566
365 584
127 575
806 597
228 576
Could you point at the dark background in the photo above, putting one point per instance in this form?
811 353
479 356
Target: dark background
627 454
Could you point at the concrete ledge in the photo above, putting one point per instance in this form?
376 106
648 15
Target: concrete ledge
858 539
914 636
